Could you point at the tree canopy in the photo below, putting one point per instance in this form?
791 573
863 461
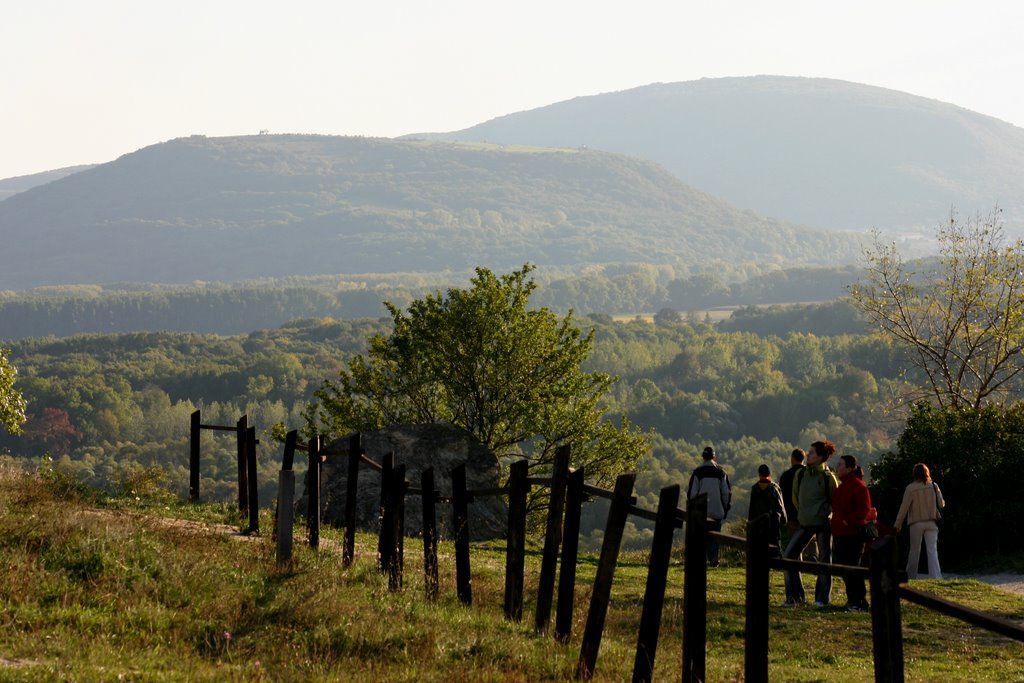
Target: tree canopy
963 319
12 405
481 359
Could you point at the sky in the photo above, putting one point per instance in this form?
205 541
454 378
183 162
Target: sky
86 82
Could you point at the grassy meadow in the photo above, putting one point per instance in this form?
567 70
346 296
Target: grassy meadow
128 589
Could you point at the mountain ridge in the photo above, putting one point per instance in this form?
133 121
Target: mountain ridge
241 207
812 151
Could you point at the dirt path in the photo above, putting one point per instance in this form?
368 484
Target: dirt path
1011 583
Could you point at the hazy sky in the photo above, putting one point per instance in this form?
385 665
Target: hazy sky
85 82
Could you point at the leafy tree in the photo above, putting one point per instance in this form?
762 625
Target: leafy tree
481 359
963 320
973 455
12 405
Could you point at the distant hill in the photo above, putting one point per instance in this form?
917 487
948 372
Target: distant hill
226 209
814 151
12 186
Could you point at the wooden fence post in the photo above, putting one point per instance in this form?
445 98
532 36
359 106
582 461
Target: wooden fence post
460 519
313 493
429 496
657 579
758 584
285 517
570 549
552 536
695 586
241 427
251 477
515 554
193 458
618 513
355 451
396 492
290 441
385 517
886 626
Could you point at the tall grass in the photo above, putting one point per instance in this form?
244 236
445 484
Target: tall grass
109 589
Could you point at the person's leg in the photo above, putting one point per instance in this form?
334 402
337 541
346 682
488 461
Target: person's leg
931 548
823 585
841 547
914 557
846 551
713 525
794 584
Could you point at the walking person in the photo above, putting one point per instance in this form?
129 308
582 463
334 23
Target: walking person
709 478
796 464
851 510
766 497
922 502
813 489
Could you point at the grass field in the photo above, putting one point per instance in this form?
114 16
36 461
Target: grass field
99 589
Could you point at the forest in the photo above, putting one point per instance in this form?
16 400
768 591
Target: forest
113 409
619 289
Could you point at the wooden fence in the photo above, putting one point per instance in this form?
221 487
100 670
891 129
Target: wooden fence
248 490
568 492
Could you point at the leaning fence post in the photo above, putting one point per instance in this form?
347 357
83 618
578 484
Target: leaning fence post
460 519
355 451
313 492
657 579
243 485
618 513
251 477
570 548
758 585
695 586
429 497
193 458
515 554
552 535
886 626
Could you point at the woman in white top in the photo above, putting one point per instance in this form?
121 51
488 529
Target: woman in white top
922 501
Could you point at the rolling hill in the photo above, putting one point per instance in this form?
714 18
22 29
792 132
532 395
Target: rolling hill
813 151
226 209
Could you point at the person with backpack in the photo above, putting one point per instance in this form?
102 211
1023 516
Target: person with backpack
813 488
766 497
710 479
922 501
796 464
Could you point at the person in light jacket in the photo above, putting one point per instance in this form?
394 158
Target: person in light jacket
813 488
922 501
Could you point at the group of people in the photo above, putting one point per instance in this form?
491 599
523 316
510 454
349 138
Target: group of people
826 515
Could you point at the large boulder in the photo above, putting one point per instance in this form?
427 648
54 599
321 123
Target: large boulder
441 446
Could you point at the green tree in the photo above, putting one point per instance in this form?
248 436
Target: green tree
963 320
973 455
481 359
12 405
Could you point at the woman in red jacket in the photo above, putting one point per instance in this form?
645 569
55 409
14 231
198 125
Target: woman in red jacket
851 510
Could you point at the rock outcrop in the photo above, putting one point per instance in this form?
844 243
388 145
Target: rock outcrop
441 446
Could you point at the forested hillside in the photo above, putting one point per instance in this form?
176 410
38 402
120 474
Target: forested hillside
623 289
814 151
115 409
227 209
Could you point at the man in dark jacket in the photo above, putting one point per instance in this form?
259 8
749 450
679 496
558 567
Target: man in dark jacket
710 479
766 498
